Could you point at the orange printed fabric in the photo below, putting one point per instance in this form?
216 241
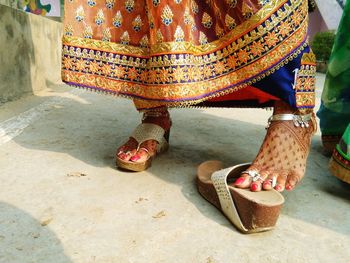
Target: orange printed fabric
144 23
178 52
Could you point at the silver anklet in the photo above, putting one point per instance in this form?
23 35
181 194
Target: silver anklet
298 120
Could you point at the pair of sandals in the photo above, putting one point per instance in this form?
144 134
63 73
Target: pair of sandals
248 211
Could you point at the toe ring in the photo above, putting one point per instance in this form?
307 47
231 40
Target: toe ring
254 174
273 181
145 149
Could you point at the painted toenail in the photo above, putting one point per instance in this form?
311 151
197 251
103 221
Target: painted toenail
239 180
289 187
254 187
135 158
278 188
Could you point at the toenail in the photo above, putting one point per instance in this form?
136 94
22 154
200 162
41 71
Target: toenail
278 188
289 187
239 180
254 187
267 183
135 158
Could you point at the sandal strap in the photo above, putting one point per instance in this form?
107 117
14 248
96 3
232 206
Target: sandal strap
219 179
155 114
298 119
148 131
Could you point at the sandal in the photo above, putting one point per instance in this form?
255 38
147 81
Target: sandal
339 164
142 133
250 212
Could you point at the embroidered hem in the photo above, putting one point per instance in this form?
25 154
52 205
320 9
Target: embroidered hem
181 74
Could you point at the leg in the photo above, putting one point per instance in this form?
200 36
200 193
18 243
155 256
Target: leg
282 156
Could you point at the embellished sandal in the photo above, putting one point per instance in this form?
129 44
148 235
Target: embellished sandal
145 132
250 212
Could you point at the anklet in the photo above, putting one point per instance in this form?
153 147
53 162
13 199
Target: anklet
155 114
299 120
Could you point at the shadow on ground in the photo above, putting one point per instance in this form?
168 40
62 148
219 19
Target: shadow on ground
24 239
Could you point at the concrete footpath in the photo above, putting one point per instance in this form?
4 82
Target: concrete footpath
63 200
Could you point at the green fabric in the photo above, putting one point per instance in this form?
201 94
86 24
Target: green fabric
345 156
344 145
346 136
334 113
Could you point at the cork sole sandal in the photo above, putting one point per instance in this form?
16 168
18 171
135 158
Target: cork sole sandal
340 161
142 133
249 211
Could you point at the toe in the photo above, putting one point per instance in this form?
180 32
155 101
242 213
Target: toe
292 180
281 181
270 181
126 156
257 185
126 151
147 149
121 150
140 156
129 155
243 182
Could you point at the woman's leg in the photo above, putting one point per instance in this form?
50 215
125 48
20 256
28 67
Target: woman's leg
283 154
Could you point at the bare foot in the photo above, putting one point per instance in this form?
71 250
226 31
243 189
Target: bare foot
282 156
128 151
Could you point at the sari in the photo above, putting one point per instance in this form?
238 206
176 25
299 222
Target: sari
183 53
334 112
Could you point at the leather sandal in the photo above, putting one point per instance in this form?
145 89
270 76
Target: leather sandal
142 133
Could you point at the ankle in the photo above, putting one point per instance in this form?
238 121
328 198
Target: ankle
281 107
306 119
159 117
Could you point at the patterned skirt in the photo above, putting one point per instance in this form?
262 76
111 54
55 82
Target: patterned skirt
178 53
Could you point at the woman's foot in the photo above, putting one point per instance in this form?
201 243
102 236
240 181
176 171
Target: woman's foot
281 161
130 151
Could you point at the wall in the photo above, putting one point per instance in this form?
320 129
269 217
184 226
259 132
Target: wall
316 23
30 53
12 3
331 12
